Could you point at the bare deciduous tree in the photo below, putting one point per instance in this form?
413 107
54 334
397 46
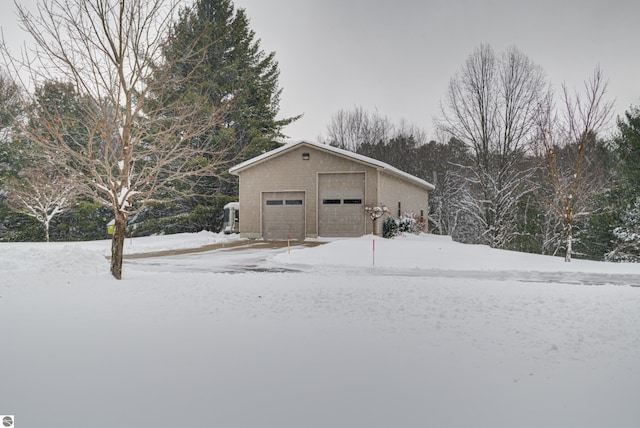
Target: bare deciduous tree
351 129
136 144
445 162
566 142
40 194
490 106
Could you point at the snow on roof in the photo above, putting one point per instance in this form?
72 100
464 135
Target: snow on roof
234 205
341 152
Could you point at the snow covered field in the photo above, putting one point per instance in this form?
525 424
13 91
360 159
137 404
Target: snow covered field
437 334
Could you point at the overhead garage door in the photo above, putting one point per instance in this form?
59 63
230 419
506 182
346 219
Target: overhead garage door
341 204
283 215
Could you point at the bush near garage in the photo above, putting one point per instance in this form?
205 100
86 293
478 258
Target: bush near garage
408 223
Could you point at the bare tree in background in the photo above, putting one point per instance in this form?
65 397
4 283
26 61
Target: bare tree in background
135 144
490 106
351 129
40 194
567 140
445 162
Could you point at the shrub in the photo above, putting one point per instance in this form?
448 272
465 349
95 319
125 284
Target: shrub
408 223
86 221
160 219
389 227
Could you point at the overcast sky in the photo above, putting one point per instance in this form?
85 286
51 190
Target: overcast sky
398 57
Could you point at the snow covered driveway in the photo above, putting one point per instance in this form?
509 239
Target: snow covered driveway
241 257
259 256
338 343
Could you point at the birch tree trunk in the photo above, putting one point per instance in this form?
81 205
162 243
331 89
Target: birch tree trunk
566 141
569 242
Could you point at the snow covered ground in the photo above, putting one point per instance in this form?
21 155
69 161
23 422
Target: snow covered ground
436 334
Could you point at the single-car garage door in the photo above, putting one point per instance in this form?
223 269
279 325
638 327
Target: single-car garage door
283 215
341 204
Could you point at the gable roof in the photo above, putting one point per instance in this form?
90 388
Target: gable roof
340 152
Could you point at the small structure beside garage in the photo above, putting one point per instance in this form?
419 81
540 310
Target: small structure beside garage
305 189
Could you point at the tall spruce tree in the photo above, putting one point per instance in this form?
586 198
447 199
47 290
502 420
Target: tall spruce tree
626 225
627 146
11 107
11 153
238 83
237 77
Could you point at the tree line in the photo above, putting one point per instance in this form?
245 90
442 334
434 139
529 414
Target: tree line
518 166
133 112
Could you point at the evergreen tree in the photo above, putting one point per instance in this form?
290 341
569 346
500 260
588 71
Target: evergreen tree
10 107
37 189
12 156
627 147
237 82
625 226
237 77
627 236
60 99
597 236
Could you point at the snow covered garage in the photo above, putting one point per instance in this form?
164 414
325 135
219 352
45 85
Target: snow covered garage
305 189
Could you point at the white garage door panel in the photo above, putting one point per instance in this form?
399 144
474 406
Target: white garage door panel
341 204
283 215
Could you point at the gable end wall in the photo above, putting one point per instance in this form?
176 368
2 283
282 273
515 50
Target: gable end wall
288 171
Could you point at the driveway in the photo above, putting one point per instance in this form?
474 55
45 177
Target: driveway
228 257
